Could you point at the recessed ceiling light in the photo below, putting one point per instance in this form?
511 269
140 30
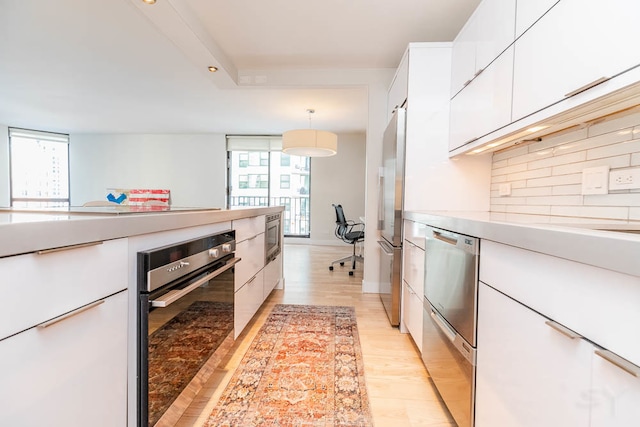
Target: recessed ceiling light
213 69
149 1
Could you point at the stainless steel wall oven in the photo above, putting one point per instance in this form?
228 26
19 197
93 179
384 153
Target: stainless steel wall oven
272 237
185 322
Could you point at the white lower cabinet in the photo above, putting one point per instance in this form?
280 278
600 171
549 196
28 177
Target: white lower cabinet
528 373
272 275
412 313
614 392
248 300
70 373
532 371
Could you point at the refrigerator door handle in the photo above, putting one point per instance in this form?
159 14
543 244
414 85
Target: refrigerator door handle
381 199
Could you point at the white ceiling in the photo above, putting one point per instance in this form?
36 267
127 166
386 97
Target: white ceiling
88 66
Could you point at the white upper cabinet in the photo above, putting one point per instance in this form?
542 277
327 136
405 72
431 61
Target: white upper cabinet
484 105
488 32
529 11
577 44
399 87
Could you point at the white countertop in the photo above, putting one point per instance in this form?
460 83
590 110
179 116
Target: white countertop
581 240
24 232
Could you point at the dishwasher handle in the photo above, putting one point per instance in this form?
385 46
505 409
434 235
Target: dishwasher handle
443 238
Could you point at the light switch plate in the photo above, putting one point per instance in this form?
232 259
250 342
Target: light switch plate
595 180
504 189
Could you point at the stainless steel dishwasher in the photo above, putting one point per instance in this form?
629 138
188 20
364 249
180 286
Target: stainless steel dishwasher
450 318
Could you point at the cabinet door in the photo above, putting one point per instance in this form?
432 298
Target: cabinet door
399 87
615 391
574 45
247 301
484 105
71 373
528 373
494 30
272 275
412 313
529 11
463 56
251 253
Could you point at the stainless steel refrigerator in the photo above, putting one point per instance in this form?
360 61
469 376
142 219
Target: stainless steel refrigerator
390 215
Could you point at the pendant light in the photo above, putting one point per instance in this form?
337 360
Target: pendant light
310 142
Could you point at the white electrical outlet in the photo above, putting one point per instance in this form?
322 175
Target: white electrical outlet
624 179
504 189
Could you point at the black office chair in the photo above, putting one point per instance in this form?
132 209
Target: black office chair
349 232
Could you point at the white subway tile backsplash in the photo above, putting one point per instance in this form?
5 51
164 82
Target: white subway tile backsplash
614 150
591 211
566 190
555 200
509 169
536 173
546 176
618 199
528 209
563 159
615 123
612 162
530 192
575 178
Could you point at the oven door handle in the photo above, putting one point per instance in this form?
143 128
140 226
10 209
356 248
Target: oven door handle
172 296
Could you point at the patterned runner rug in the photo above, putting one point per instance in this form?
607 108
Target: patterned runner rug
303 369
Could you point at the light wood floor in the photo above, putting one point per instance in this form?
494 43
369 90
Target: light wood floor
400 391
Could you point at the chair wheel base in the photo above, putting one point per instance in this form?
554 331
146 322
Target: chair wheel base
351 273
331 268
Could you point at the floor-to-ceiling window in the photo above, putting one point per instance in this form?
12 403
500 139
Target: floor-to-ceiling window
260 174
39 163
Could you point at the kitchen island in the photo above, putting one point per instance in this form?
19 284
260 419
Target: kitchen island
558 341
70 287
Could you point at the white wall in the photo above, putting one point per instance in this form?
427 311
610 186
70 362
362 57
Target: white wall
5 180
338 179
546 176
192 166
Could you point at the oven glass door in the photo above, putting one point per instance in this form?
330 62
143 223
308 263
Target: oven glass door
185 340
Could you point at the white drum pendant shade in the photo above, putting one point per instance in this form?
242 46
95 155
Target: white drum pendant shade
310 143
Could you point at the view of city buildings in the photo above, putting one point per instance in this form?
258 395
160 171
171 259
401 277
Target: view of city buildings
272 178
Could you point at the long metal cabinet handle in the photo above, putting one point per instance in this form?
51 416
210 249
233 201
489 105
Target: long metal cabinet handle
70 314
562 329
618 361
445 239
587 86
68 248
172 296
444 328
386 247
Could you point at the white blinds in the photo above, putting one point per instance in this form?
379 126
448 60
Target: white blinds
254 143
41 136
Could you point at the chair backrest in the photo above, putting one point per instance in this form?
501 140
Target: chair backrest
341 220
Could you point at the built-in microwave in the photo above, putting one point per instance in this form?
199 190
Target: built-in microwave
273 237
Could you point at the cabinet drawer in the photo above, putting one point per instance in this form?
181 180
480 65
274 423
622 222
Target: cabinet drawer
248 227
415 232
248 300
40 286
601 305
272 275
413 267
72 373
251 252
